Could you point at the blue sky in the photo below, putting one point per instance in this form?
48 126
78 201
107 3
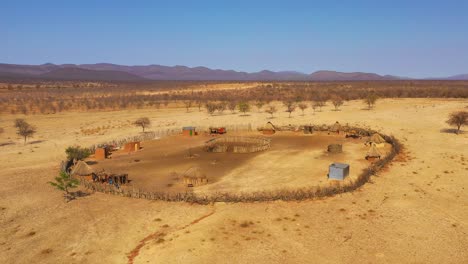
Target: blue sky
406 38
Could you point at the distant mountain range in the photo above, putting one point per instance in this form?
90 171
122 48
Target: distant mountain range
113 72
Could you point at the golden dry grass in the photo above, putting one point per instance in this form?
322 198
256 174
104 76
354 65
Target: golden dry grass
401 217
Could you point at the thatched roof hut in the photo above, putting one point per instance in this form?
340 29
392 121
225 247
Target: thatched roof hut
81 169
335 127
373 152
194 177
377 138
268 129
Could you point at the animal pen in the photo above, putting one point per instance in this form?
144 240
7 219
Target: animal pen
237 144
293 194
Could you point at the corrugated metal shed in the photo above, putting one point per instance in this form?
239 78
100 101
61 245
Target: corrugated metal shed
338 171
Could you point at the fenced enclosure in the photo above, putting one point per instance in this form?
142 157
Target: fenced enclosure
237 144
264 143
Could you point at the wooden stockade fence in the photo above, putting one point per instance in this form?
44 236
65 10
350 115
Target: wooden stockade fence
263 196
142 137
238 144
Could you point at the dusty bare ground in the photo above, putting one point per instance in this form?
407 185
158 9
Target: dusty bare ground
416 211
294 161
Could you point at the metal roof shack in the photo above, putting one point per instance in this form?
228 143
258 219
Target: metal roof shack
189 131
338 171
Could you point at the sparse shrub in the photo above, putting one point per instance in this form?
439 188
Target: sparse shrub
259 104
210 108
232 106
77 152
64 182
271 109
370 99
24 129
188 104
142 122
302 106
337 102
244 107
458 119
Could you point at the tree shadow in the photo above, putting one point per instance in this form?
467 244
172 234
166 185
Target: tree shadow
75 195
36 142
451 131
6 144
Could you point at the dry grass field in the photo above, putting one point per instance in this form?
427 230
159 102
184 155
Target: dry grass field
414 211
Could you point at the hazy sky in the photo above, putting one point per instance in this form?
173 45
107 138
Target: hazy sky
406 38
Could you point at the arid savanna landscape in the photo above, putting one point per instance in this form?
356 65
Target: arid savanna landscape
234 132
412 210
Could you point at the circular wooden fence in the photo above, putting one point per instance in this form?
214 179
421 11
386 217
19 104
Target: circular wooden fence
237 144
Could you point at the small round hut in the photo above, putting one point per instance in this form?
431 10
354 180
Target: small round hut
81 169
335 148
373 153
268 129
194 177
377 140
335 127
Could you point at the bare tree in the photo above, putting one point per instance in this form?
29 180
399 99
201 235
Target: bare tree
24 129
259 104
210 108
314 106
290 107
337 102
188 104
370 100
199 103
157 104
221 106
232 106
458 119
302 106
142 122
271 109
244 107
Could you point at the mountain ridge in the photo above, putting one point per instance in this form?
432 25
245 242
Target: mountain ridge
116 72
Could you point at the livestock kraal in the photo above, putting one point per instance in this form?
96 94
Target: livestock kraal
296 194
237 144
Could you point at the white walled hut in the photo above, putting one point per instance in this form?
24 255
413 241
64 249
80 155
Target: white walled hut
338 171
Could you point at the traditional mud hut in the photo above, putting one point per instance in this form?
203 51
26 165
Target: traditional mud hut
81 169
132 146
189 131
308 129
268 129
193 177
338 171
373 153
100 154
335 127
377 140
335 148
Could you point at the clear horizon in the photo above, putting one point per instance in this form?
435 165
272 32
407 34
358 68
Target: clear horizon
397 38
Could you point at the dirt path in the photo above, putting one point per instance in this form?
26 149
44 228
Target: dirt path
159 234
